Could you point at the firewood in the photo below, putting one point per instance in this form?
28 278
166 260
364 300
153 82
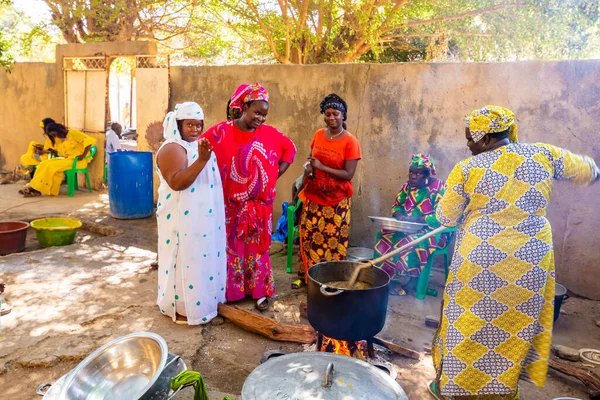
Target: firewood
403 351
268 327
590 379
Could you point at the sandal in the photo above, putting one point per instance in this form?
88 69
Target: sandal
433 390
298 284
5 309
262 304
180 319
397 291
30 192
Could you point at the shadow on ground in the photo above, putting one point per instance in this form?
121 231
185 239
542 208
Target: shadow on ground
68 301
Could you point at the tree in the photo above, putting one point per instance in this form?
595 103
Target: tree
6 59
83 21
316 31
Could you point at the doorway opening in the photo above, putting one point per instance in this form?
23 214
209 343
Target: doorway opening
122 99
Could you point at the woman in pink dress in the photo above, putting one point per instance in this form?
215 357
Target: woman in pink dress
251 156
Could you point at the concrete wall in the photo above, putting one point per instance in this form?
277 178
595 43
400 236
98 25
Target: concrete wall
397 110
29 94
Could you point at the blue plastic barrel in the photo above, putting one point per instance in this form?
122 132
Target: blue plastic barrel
130 184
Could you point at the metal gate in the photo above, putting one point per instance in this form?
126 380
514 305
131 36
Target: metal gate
86 90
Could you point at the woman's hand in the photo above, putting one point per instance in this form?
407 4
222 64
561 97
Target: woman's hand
204 149
315 163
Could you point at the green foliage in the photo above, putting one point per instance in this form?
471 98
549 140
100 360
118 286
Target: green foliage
6 59
318 31
314 31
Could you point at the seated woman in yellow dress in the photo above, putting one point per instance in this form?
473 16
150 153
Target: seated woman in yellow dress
38 152
71 144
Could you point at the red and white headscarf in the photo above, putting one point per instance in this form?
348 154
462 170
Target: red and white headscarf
244 94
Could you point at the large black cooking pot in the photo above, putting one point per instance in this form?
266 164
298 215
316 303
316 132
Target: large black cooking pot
347 314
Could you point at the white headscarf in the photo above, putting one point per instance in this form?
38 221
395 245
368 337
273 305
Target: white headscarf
187 110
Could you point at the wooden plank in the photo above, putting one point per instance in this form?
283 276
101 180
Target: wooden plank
268 327
403 351
590 379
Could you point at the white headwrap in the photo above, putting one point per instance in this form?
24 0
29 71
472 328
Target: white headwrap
187 110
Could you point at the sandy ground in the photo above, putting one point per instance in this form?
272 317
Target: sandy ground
68 301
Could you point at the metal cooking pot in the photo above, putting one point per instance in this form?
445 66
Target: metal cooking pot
126 368
319 376
347 314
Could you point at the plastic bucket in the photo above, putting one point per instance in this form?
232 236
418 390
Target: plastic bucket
12 236
560 295
55 231
130 184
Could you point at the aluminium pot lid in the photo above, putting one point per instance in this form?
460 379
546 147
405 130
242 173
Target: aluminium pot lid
301 376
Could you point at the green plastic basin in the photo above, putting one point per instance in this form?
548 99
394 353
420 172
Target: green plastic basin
55 231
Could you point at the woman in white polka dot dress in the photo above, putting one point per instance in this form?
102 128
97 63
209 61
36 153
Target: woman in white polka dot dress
192 268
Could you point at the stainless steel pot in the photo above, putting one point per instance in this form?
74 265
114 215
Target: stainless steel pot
174 366
319 376
125 368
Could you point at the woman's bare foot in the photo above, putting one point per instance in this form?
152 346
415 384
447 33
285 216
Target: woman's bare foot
30 192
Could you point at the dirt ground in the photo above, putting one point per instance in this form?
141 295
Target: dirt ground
70 300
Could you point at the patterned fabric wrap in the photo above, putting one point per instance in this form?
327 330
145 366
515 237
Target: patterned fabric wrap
413 203
491 119
335 102
246 93
497 315
192 272
423 161
324 232
249 167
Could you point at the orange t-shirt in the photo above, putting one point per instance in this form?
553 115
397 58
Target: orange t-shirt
323 188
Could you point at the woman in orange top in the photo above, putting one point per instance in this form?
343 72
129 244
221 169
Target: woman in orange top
325 220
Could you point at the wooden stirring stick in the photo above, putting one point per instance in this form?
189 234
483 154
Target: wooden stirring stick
376 261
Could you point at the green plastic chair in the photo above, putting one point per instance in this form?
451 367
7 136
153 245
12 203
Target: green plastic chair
292 234
423 282
72 173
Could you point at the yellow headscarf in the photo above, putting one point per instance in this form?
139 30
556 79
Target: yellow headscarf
491 119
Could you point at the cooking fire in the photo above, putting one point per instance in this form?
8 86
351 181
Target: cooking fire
358 349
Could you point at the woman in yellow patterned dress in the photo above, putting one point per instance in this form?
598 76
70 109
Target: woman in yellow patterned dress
497 314
38 152
71 144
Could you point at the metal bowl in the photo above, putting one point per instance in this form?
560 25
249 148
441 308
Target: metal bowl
124 369
161 389
394 225
358 254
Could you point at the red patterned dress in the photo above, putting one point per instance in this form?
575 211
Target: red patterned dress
249 167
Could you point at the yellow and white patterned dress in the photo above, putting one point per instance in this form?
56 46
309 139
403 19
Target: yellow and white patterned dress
498 306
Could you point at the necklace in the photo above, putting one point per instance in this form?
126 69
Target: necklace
332 136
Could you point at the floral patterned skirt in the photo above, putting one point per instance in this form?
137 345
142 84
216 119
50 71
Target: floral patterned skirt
324 232
249 274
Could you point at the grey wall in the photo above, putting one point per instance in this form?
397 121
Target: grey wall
395 110
400 109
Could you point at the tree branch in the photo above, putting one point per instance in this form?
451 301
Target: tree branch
472 13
